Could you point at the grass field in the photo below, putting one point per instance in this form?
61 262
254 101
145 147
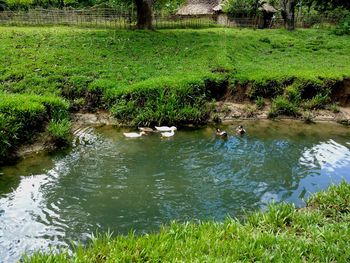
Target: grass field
167 76
60 59
318 233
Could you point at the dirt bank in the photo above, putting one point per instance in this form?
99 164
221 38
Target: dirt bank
227 111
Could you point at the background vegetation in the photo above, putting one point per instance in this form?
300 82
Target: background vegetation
167 6
318 233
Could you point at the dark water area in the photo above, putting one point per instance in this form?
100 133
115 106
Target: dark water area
109 182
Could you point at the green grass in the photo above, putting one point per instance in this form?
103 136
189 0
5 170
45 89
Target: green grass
318 233
23 115
59 130
71 61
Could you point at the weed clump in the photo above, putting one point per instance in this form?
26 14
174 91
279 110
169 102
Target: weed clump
334 203
344 27
59 131
260 103
282 106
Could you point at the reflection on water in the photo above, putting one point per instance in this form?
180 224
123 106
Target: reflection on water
110 182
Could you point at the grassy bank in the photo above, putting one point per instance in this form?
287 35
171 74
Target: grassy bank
318 233
171 76
23 115
95 68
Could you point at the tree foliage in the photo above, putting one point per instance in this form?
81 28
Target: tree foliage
241 8
326 5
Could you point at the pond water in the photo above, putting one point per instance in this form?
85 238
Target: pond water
108 182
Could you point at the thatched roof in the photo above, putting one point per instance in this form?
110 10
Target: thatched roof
218 8
267 8
199 7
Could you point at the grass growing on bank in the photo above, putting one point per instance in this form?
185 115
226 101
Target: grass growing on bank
23 115
318 233
100 65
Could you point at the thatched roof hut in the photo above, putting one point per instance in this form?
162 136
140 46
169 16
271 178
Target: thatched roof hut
265 7
199 8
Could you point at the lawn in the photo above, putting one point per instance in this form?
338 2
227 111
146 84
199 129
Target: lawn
60 59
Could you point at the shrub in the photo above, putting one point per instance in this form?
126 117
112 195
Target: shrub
281 106
59 131
343 27
293 94
334 202
334 107
250 110
265 40
240 8
23 115
185 103
317 102
260 103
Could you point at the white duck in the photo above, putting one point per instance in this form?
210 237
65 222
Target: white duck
133 134
169 134
165 128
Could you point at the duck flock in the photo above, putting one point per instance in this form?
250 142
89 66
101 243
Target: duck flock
165 131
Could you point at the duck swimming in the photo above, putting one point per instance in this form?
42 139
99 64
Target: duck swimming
133 134
146 129
168 134
165 128
240 130
222 134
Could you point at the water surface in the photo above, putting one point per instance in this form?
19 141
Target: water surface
107 181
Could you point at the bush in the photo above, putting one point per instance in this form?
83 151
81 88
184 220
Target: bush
281 106
59 131
334 202
293 94
344 26
179 103
260 103
334 107
23 115
313 19
240 8
317 102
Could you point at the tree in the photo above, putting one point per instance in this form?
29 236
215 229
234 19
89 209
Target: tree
3 5
143 9
324 5
241 8
144 14
288 13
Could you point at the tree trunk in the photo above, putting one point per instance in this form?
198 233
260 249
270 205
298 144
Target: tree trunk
144 14
288 13
60 4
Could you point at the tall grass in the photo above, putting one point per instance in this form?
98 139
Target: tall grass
23 115
318 233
